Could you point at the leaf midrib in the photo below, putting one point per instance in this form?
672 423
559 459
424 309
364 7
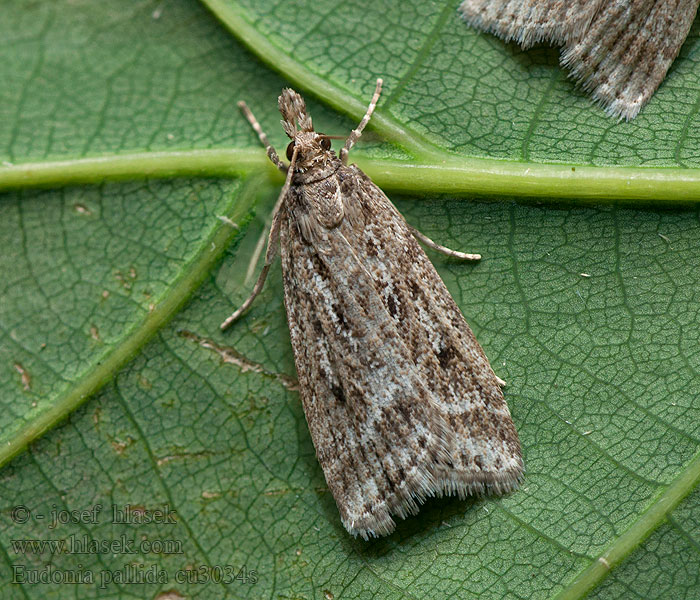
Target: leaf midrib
451 175
624 544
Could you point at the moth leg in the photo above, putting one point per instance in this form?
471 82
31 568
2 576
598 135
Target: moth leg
453 253
272 240
272 155
257 252
442 249
356 133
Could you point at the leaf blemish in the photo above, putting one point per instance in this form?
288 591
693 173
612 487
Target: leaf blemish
170 594
81 209
24 376
280 492
184 456
121 279
120 446
231 356
126 280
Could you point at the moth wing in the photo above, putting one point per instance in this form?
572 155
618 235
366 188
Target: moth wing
486 453
400 399
529 22
378 435
627 50
618 51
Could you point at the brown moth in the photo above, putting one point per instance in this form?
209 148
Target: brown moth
400 400
618 50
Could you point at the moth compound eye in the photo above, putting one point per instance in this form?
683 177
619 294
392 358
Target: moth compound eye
290 150
325 143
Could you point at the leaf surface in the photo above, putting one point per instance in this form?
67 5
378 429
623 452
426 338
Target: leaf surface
117 273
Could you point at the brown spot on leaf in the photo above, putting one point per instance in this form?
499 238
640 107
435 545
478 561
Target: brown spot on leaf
119 446
183 456
25 377
230 355
170 595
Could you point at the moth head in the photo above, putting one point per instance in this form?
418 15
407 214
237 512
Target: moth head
311 146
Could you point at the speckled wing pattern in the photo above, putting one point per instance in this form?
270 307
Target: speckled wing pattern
529 22
618 50
400 399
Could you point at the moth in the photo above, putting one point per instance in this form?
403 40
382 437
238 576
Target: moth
618 50
400 399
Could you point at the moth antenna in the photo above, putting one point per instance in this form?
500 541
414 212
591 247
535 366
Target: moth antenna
271 153
356 133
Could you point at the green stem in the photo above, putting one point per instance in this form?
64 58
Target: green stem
238 22
537 180
631 539
138 165
452 175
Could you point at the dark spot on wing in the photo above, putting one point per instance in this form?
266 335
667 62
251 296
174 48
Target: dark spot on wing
391 305
404 410
370 248
414 288
321 268
363 301
402 474
340 315
445 355
338 393
318 328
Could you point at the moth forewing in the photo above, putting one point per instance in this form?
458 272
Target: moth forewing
400 400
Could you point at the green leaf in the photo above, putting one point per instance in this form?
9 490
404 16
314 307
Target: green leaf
121 146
